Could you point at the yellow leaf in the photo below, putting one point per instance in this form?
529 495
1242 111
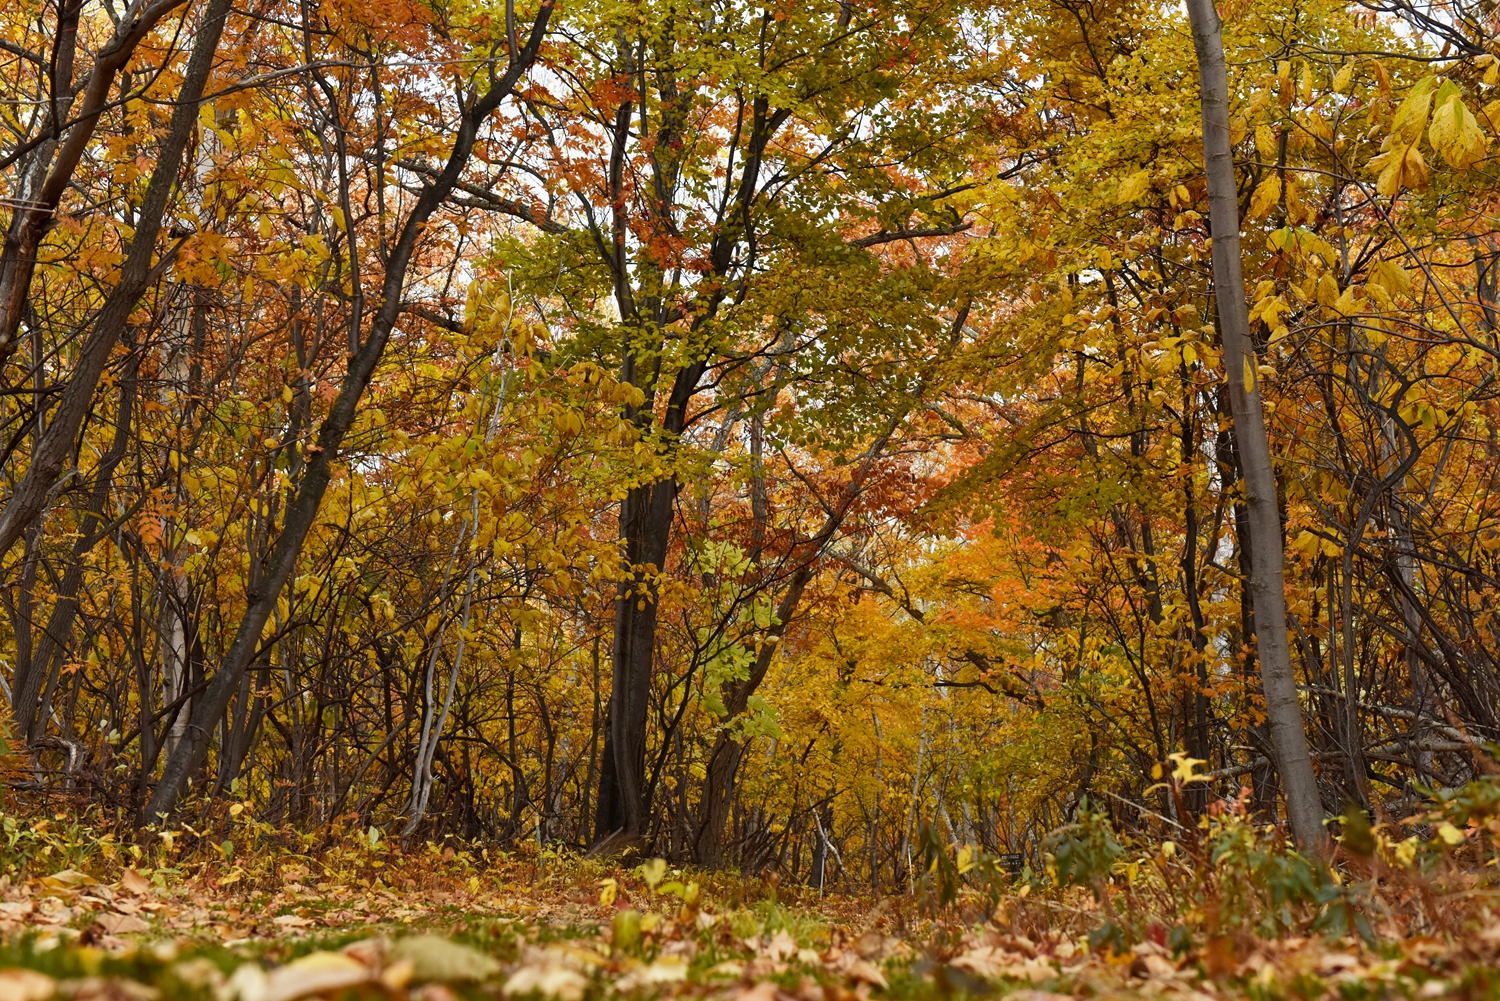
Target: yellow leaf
1414 169
1388 166
1343 77
1132 187
1491 115
1450 834
1267 194
1345 304
1455 133
1391 276
1186 768
1297 210
1328 291
1266 142
1411 116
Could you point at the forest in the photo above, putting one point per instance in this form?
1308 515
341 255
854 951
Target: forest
911 450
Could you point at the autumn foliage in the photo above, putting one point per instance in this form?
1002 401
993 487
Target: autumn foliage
789 439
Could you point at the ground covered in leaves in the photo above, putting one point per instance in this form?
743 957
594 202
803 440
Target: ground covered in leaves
434 925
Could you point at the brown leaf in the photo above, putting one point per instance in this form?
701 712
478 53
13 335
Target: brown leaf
781 947
108 989
766 990
133 882
121 924
865 972
25 985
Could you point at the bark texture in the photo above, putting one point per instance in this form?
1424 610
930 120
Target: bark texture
1278 680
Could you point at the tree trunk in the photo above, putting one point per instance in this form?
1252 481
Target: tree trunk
645 529
724 761
1283 709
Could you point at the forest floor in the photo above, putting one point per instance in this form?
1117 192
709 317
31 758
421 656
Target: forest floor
434 926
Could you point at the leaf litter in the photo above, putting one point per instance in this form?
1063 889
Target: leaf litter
165 935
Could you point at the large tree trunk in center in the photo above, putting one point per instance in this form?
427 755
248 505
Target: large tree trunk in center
645 528
1283 708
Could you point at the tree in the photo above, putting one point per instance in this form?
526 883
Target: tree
1241 368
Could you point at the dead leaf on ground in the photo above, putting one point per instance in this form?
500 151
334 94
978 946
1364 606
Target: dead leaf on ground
550 980
765 990
68 879
874 945
315 973
25 985
435 958
114 923
666 970
780 948
994 963
107 989
866 972
132 881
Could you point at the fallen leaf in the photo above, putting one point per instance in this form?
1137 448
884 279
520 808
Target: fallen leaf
781 947
730 969
866 972
121 924
132 881
247 983
398 974
370 951
994 963
874 945
67 879
435 958
548 980
291 921
766 990
108 989
25 985
315 973
666 970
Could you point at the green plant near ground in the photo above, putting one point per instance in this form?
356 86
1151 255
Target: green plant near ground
36 846
767 917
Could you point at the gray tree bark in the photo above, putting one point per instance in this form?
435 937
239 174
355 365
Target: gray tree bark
1278 680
